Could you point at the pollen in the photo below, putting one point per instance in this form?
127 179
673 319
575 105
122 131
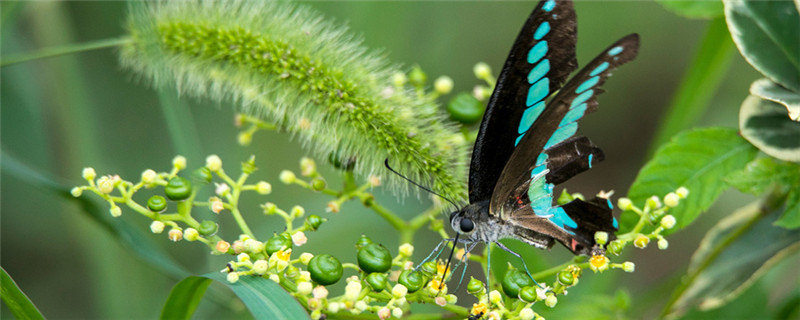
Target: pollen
479 308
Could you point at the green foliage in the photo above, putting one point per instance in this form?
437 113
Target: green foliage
703 9
263 298
765 172
733 255
306 75
765 124
21 307
697 159
768 90
766 34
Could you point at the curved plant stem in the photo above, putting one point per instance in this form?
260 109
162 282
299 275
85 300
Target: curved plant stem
62 50
699 84
772 200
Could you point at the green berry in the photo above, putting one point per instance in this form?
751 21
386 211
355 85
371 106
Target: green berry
318 184
363 241
465 108
178 189
325 269
566 278
417 77
528 294
429 268
514 281
202 175
474 285
377 281
277 242
207 228
374 258
314 221
157 203
413 280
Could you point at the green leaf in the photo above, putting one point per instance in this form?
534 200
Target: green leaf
791 211
762 173
765 124
129 236
697 160
769 90
733 255
696 9
766 34
264 298
184 298
21 307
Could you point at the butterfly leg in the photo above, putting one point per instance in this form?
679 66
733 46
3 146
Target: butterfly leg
439 248
520 259
467 248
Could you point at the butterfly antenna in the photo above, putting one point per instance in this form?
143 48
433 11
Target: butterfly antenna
446 266
386 162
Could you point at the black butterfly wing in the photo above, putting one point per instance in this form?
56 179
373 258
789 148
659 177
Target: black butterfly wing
541 59
550 154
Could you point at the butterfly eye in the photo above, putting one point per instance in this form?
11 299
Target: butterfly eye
467 225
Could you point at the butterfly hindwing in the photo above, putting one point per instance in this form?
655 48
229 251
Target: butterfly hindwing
540 61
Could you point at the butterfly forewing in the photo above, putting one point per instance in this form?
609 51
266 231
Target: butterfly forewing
541 59
551 134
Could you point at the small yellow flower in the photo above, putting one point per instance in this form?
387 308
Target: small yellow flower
641 241
479 308
284 255
598 263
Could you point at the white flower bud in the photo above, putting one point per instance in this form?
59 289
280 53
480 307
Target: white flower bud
299 238
333 307
179 162
307 166
601 237
399 291
668 221
243 257
671 200
551 300
222 189
213 163
624 204
105 184
482 71
191 234
304 287
260 267
264 187
406 249
76 192
175 234
287 177
233 277
89 173
149 176
275 278
628 266
682 192
305 257
352 291
663 244
384 313
397 313
495 297
361 306
297 211
399 79
526 314
115 211
157 226
443 85
320 292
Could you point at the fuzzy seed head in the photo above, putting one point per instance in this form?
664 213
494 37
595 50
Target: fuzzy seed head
682 192
625 204
264 187
233 277
299 238
526 314
88 173
628 266
157 226
641 241
287 177
668 221
305 287
191 234
213 163
443 85
175 234
179 162
671 200
222 246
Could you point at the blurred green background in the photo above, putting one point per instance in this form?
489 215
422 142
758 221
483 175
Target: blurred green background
64 113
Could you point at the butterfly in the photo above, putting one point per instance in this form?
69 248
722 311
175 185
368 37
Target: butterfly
527 143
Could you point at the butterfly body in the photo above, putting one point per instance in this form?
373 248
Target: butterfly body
527 143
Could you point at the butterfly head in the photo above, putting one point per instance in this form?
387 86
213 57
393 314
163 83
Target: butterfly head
461 223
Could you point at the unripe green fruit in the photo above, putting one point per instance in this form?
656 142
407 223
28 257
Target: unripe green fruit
363 241
474 285
314 221
566 278
528 294
465 108
207 228
325 269
374 258
202 175
514 281
157 204
377 281
413 280
178 189
276 243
